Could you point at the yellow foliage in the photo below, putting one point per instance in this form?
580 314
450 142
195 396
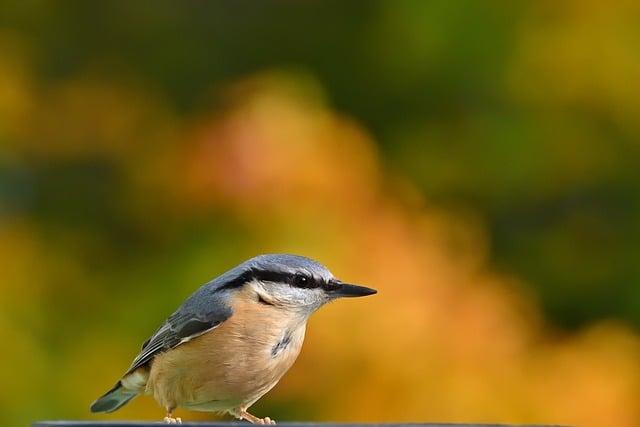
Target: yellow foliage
447 338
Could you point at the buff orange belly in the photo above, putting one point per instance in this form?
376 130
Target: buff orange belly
231 366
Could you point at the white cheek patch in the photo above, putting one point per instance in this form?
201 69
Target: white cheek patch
284 294
262 293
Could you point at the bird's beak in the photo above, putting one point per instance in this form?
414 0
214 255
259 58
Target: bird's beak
348 290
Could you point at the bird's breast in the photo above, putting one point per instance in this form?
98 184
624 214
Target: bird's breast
234 364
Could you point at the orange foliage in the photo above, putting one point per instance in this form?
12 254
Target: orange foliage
447 338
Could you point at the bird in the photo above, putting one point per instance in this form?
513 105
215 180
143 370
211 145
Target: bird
232 340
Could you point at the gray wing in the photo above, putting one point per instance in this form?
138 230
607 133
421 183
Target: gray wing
201 312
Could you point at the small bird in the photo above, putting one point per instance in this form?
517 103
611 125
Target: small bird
232 340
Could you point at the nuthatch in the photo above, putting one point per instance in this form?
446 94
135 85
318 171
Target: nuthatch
232 340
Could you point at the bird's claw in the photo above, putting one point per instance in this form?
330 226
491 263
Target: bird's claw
264 421
242 414
171 420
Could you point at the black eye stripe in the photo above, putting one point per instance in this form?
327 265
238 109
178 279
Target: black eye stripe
270 276
293 279
296 280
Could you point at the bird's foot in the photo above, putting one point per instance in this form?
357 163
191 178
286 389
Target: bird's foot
170 420
244 415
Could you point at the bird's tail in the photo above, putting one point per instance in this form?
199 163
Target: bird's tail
131 385
113 399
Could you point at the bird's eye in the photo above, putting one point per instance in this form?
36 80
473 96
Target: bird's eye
301 281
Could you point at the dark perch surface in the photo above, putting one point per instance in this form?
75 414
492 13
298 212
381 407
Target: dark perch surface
237 424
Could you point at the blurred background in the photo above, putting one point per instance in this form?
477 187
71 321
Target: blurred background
478 162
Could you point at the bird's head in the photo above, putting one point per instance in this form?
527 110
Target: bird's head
296 282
